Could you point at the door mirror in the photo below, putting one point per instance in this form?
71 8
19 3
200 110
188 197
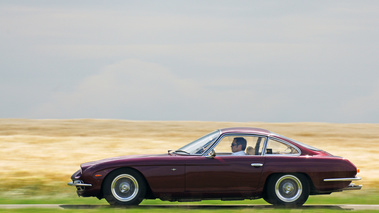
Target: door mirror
211 154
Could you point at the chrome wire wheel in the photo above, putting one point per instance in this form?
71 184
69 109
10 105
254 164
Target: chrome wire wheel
288 188
124 187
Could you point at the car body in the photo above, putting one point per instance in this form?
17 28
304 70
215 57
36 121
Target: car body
276 168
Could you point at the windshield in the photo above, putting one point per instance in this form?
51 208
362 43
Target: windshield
200 145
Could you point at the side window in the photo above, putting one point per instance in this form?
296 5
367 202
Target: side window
278 148
254 145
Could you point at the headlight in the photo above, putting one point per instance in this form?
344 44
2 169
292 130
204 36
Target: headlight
76 175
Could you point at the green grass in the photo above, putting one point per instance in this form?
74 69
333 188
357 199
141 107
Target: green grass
167 210
68 200
68 196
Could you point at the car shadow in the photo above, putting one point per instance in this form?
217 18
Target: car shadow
334 207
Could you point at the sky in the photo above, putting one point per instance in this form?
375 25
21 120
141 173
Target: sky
215 60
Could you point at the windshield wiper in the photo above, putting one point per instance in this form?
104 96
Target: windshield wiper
179 150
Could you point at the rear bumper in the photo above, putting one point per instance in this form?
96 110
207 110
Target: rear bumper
351 186
342 179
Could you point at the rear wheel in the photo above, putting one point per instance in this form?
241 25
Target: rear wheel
124 187
287 190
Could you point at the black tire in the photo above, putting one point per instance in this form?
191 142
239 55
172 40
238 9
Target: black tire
124 187
266 198
289 190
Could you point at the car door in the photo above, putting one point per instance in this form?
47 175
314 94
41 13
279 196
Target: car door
223 173
226 172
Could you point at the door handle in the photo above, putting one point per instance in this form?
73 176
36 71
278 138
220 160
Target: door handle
257 164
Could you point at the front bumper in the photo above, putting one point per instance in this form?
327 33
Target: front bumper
78 183
80 187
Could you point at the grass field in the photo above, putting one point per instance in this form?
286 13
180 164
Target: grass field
314 204
37 157
71 203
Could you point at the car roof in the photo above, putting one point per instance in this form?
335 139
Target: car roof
264 132
245 130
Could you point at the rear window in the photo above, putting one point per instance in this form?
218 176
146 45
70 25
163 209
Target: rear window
275 147
297 142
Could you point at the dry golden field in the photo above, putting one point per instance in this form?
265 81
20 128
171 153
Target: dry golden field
47 152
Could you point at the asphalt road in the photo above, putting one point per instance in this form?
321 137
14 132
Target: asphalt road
65 206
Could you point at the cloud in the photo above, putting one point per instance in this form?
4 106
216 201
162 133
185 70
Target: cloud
140 90
128 88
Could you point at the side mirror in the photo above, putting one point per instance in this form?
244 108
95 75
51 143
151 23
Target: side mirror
211 154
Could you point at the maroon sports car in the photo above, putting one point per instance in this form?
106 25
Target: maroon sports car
227 164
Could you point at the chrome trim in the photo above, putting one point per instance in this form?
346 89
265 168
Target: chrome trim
257 164
210 148
124 187
265 145
352 186
288 188
78 183
342 179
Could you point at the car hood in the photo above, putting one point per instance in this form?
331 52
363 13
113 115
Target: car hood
120 158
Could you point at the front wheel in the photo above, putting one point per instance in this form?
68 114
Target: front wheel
124 187
290 190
